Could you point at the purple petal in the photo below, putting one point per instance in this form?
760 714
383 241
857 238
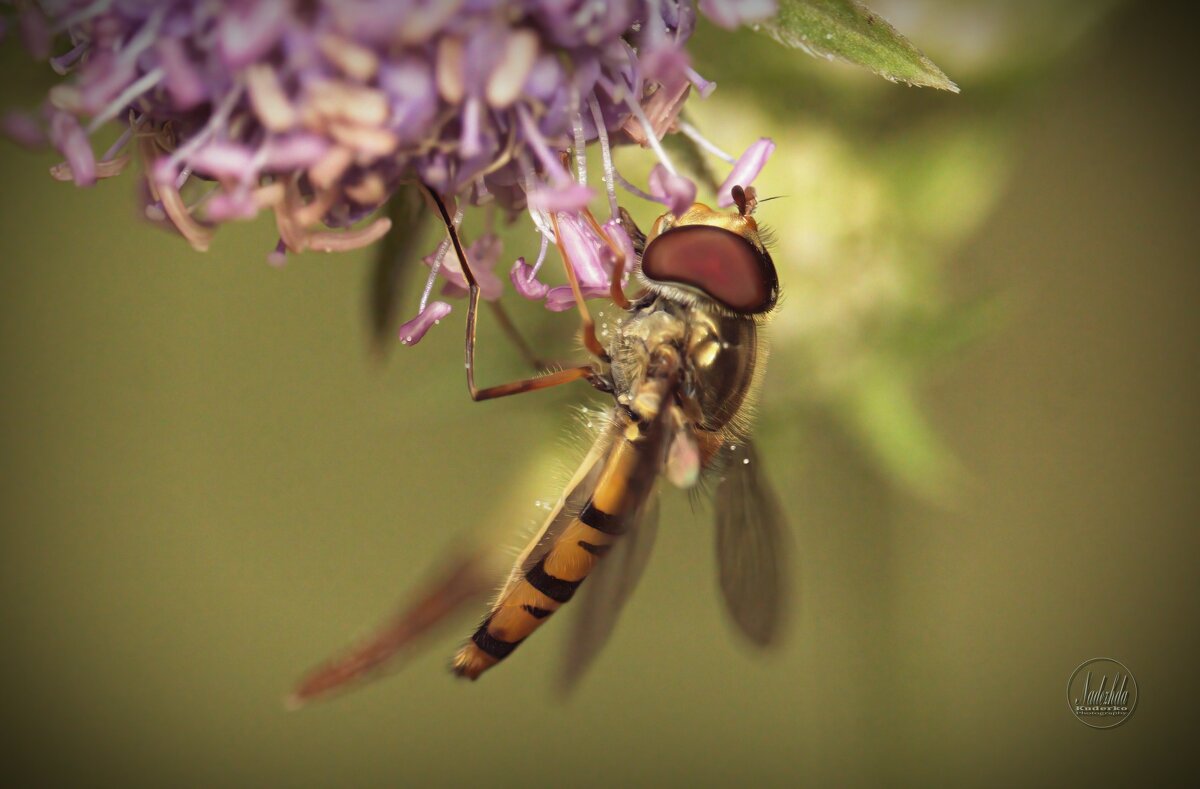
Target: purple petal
567 199
68 137
703 86
454 291
585 251
224 206
574 24
484 50
414 97
616 231
295 151
666 64
521 71
731 13
535 141
182 80
66 61
22 128
676 192
34 31
483 254
449 270
680 17
470 143
745 169
412 331
525 282
586 72
434 170
653 31
545 78
105 77
163 171
224 160
561 299
490 287
246 36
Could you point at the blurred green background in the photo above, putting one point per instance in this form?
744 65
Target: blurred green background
981 413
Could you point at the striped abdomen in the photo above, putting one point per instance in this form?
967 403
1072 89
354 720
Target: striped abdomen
554 571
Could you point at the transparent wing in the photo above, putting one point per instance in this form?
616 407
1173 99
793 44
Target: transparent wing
606 592
751 546
579 490
465 579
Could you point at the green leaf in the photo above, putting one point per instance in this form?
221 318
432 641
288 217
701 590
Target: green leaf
847 30
397 255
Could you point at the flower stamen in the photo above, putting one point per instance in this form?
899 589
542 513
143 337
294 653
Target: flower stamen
605 154
693 134
125 98
651 138
438 259
577 132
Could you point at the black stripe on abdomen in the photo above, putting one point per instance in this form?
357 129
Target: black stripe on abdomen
555 588
602 521
594 550
492 645
536 612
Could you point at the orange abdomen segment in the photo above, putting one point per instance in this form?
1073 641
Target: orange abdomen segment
627 478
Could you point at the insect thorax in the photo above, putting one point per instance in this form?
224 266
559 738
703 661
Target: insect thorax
718 355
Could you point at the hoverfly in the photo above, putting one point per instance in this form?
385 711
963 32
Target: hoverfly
682 366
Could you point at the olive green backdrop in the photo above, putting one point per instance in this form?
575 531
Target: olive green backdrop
208 485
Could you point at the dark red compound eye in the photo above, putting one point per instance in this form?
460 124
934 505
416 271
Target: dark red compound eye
718 262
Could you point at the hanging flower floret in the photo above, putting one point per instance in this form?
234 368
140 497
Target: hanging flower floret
318 111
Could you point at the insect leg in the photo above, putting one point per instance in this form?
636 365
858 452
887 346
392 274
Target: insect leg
515 387
533 384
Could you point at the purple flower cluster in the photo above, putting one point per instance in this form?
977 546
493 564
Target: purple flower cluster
317 111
